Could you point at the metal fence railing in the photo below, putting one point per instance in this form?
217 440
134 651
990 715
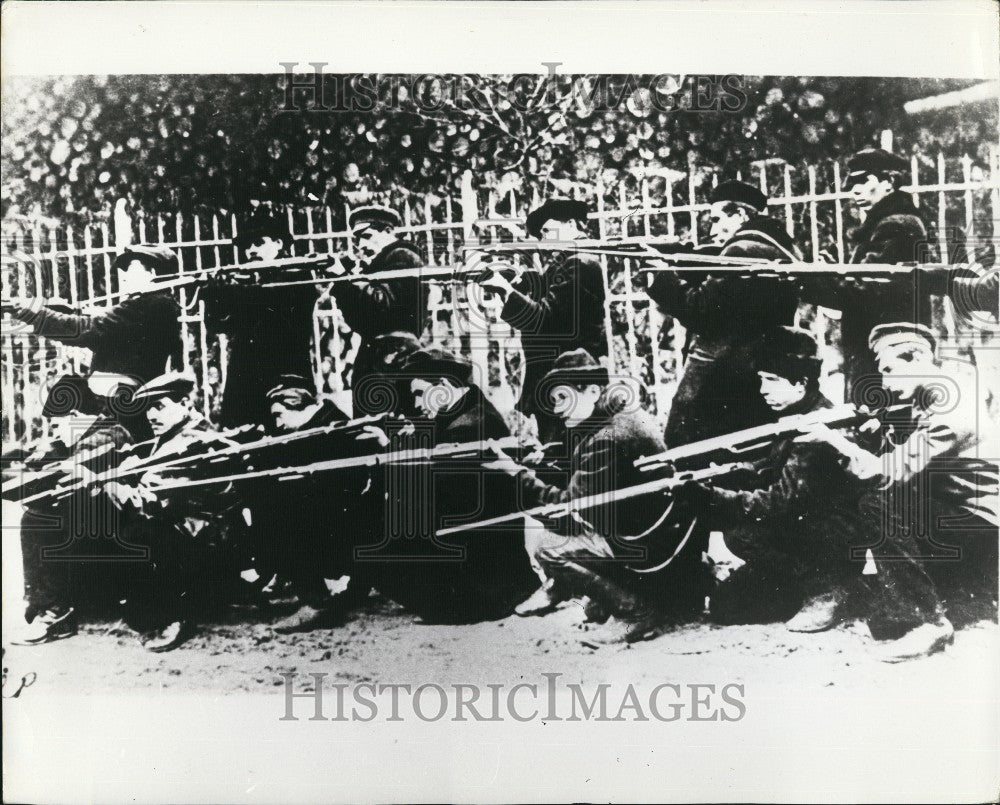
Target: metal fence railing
72 266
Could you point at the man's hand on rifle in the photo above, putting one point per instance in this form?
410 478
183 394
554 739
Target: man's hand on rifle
373 433
694 495
496 283
861 463
503 463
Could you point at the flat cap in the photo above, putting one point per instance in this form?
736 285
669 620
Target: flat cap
291 381
555 209
789 352
432 362
739 193
373 215
576 366
173 385
159 259
873 161
897 333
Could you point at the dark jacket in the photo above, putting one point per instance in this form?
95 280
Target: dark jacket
134 338
197 511
374 308
603 451
560 310
718 392
474 575
893 232
270 333
724 310
804 501
475 418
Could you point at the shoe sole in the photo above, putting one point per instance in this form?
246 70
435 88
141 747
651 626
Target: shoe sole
814 630
47 639
938 645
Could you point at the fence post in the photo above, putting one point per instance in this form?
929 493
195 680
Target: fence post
470 209
123 226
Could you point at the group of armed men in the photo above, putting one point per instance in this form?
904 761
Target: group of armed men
889 522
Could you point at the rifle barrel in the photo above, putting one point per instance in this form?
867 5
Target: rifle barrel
411 455
790 424
552 510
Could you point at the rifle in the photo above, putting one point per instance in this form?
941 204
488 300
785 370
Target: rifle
744 441
182 279
24 486
441 274
572 508
179 461
640 249
452 452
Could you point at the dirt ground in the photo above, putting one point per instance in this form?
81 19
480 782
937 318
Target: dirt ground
383 643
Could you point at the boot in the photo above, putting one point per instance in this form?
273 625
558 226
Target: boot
167 638
307 617
594 612
922 641
55 623
542 602
819 613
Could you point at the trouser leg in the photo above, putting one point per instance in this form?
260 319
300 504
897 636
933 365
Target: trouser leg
586 566
46 580
899 595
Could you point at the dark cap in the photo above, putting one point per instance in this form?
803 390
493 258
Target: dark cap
739 193
159 259
575 368
555 209
893 334
263 226
432 362
173 385
376 216
789 352
875 161
292 386
389 351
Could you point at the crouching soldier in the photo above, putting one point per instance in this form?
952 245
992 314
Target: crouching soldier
937 485
482 574
64 560
605 437
178 526
324 509
802 528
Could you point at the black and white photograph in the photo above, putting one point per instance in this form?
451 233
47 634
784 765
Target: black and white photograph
396 410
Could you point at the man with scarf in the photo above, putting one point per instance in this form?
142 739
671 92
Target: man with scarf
305 528
591 557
